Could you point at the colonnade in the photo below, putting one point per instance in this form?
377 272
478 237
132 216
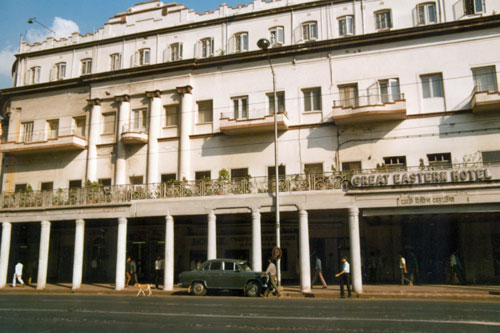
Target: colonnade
256 254
155 114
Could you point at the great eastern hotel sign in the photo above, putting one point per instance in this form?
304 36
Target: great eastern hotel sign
421 178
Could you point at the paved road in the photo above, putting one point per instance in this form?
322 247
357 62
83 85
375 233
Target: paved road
84 313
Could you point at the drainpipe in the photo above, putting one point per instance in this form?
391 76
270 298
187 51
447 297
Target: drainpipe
362 18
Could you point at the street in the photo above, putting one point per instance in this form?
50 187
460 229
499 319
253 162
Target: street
84 313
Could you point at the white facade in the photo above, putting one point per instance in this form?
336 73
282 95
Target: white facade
368 92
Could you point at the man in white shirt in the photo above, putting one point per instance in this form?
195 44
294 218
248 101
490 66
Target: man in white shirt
404 271
18 273
345 276
272 271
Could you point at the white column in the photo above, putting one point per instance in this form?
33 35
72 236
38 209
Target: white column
4 253
305 264
43 257
186 124
169 254
212 237
78 256
123 125
121 252
256 241
95 120
155 117
355 250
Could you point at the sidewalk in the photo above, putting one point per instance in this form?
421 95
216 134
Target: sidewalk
438 292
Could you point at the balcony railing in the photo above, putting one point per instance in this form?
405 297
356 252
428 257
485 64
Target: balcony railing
485 98
369 108
119 194
133 135
259 120
122 194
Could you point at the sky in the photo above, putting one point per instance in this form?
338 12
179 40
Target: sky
65 17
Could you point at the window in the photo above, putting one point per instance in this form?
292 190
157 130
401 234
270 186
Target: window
35 75
139 118
491 156
108 123
240 107
60 70
395 162
202 175
473 7
105 181
47 186
389 90
216 266
53 129
349 95
175 51
426 13
241 42
312 99
136 180
86 66
239 173
207 47
27 131
439 160
309 31
281 102
351 166
271 171
432 85
172 115
205 111
168 177
314 168
73 184
485 79
144 57
346 25
116 61
21 187
383 20
79 126
277 36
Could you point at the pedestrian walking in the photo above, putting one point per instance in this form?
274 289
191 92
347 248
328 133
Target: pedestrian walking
404 271
318 272
271 271
456 268
18 274
158 271
345 278
131 271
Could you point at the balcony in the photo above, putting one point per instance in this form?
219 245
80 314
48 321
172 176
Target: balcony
61 143
258 121
374 179
485 100
369 108
131 135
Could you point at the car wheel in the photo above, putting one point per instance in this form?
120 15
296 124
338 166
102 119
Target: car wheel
252 289
198 289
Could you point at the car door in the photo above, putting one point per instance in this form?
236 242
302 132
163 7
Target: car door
214 275
230 276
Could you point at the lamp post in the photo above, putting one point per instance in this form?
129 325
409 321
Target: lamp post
33 19
264 44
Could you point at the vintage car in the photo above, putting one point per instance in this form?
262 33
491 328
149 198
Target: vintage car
223 274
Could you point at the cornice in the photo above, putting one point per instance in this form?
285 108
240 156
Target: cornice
194 25
378 38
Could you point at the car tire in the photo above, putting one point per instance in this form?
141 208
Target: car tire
252 289
198 289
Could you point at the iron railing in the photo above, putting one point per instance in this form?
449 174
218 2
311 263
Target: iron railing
118 194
